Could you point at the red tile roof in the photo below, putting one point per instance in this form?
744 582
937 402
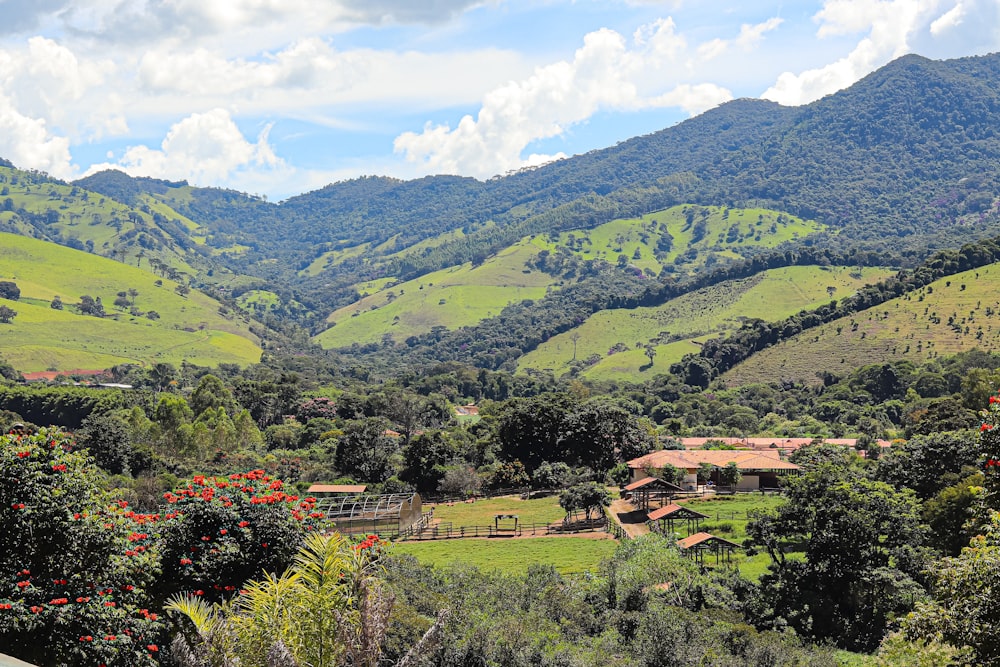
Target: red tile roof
746 460
652 481
702 538
672 509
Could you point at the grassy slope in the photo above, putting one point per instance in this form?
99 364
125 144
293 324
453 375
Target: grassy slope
914 327
40 337
679 324
90 217
471 294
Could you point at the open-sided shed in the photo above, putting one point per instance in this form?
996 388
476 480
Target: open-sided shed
646 490
697 545
665 517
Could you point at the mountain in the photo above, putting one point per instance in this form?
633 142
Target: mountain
888 171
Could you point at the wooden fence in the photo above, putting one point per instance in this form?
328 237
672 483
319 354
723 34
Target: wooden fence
446 530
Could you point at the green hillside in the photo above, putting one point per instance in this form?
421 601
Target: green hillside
610 345
451 298
148 232
156 324
951 315
681 239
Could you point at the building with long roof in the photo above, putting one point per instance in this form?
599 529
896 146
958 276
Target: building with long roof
759 468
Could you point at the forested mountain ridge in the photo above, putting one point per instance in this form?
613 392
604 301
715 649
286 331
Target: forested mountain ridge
894 160
890 170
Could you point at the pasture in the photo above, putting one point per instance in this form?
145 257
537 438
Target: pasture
675 328
951 315
568 555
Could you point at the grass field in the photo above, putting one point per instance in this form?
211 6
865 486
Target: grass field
481 513
676 327
951 315
40 338
568 555
453 297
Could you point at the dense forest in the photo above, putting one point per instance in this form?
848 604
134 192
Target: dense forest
183 435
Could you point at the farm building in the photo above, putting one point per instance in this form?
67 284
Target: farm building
379 514
760 468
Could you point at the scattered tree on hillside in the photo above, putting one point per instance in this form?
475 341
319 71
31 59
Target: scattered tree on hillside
7 314
9 290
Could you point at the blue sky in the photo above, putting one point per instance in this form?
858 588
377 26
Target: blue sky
279 97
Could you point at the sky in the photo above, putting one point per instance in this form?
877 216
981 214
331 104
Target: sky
281 97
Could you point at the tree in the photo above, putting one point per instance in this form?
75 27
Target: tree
862 548
589 496
730 474
705 472
7 314
108 438
211 393
9 290
56 303
76 564
364 451
219 532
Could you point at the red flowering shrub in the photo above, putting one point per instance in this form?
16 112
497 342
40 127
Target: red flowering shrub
218 532
75 563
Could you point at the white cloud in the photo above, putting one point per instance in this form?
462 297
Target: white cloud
949 20
605 73
204 148
889 29
28 143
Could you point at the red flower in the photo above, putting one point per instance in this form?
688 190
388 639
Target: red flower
243 524
5 605
35 610
86 638
152 648
986 427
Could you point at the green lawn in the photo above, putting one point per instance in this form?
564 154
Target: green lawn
568 555
481 513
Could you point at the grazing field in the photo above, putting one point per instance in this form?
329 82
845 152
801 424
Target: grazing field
452 298
676 327
951 315
568 555
165 325
682 239
481 513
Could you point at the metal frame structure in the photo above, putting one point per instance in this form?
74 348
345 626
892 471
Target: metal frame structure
380 514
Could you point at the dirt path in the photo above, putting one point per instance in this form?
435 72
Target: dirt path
633 521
